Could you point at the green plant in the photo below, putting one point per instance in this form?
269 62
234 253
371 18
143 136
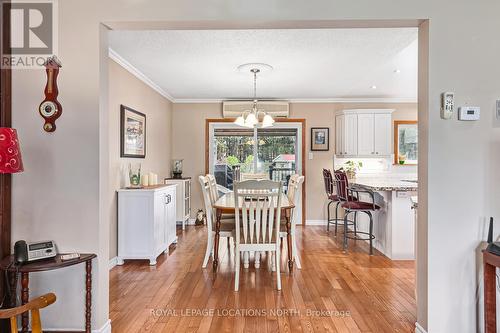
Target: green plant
351 167
232 160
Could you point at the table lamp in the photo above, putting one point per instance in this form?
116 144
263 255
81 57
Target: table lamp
10 153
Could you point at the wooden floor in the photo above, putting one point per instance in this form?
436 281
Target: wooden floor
334 292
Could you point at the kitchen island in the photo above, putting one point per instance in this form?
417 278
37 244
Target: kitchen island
394 223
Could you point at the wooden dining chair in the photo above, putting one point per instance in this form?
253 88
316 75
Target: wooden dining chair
293 194
34 307
227 225
258 221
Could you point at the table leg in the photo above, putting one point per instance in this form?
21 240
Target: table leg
13 288
24 299
88 295
490 322
218 216
289 239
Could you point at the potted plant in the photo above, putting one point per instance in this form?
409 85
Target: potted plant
402 158
351 167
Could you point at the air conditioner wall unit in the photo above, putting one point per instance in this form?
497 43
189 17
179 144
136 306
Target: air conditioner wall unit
276 109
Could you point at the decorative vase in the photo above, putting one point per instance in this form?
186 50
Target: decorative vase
177 169
134 173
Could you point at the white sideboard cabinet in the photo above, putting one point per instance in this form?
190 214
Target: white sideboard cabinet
183 199
146 222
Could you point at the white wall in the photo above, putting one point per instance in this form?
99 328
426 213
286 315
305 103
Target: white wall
59 194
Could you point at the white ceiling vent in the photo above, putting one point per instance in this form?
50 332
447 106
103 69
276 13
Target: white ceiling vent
276 109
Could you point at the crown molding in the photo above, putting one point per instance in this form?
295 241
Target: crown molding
138 74
306 100
354 100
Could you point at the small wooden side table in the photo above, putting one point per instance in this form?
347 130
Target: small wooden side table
490 262
7 264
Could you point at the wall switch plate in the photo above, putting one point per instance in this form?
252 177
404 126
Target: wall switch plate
310 156
498 109
447 105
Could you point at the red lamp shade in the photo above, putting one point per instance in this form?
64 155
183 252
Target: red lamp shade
10 154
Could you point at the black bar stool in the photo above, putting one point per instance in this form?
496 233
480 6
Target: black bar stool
349 197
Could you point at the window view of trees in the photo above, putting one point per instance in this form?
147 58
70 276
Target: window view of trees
275 149
238 150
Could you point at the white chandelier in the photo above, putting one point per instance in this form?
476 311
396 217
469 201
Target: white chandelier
250 118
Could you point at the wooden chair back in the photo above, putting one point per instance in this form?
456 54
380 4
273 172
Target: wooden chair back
34 307
205 190
293 193
259 219
213 191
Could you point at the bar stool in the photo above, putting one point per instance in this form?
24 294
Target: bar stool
351 203
332 197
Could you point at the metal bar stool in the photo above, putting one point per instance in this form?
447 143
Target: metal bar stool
349 196
332 197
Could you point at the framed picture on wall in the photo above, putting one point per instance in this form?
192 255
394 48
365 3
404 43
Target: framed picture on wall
132 133
320 138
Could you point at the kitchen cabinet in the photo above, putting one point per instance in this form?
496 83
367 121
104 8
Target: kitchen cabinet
146 222
363 133
346 137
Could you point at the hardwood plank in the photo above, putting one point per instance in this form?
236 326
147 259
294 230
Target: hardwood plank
334 291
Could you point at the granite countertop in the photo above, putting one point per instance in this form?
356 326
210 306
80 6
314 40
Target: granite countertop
387 182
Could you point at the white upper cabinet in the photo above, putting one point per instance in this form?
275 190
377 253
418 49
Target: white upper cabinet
351 134
346 135
363 132
339 132
382 135
366 134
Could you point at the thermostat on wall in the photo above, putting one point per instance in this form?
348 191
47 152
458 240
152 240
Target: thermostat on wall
468 112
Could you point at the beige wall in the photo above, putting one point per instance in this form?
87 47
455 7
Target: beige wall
189 142
126 89
63 193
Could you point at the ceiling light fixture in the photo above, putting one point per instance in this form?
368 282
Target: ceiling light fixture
374 87
250 118
397 71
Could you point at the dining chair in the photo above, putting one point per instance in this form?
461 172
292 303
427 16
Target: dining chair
349 196
34 307
293 194
258 221
227 225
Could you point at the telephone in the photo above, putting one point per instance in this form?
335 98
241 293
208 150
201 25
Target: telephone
493 247
25 252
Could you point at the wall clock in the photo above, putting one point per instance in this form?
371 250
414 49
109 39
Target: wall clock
50 109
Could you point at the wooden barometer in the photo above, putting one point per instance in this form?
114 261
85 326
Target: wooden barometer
50 109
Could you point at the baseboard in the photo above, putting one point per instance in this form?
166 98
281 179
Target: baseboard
419 329
106 328
190 221
315 222
112 262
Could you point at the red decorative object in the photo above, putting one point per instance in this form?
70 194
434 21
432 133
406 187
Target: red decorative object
10 153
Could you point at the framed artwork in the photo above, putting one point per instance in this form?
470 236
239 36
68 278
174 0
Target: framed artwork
132 133
405 142
320 138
